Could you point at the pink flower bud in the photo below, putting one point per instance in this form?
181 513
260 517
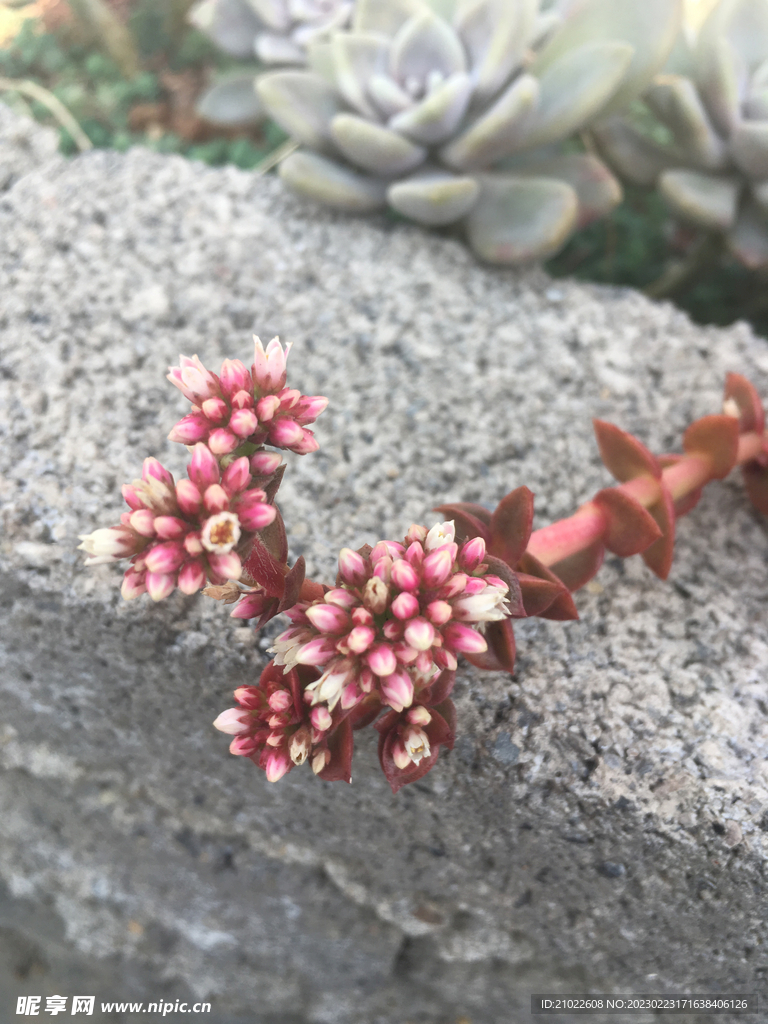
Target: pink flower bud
416 534
233 721
236 476
288 398
308 408
131 497
418 716
243 745
437 567
251 606
445 659
315 652
133 585
280 700
472 554
366 680
277 765
169 527
455 585
397 690
400 755
269 366
340 597
189 498
419 634
361 616
475 585
190 429
215 410
243 400
222 442
215 498
191 577
243 422
306 445
143 522
352 567
249 697
234 377
320 760
405 654
360 639
159 586
266 407
464 638
203 468
254 513
193 544
393 629
424 663
265 463
439 612
193 380
350 696
285 432
321 718
385 549
381 660
328 618
163 559
415 554
227 566
405 605
404 576
152 469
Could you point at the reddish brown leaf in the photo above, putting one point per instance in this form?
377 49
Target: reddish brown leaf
511 524
756 482
271 488
465 516
274 539
624 456
292 583
745 395
440 689
340 743
365 712
578 569
658 557
562 609
631 528
717 439
537 594
260 567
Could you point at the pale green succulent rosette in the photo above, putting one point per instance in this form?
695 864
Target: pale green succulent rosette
460 112
272 32
713 168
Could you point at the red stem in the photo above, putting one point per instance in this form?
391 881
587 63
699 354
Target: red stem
551 544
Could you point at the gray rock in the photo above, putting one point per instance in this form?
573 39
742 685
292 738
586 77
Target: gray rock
139 857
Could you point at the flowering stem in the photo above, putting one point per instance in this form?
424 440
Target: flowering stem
567 537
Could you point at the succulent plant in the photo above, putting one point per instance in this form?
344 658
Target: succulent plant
459 111
710 159
272 31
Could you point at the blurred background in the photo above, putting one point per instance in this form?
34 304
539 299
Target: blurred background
122 73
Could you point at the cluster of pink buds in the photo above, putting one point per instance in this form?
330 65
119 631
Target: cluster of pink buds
187 533
400 614
239 406
381 646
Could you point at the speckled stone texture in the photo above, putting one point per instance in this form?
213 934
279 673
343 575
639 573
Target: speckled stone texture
602 823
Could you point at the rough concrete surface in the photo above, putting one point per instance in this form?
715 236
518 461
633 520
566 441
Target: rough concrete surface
602 824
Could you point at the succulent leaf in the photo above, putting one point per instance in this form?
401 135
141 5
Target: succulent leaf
302 103
706 199
675 101
748 240
232 25
649 27
374 147
495 133
318 178
386 18
355 57
517 220
496 34
425 45
437 116
749 146
434 198
720 77
574 89
231 102
597 190
630 153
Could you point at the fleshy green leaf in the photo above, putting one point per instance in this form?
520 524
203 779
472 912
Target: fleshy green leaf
302 103
436 117
329 183
374 147
517 220
425 44
357 56
631 154
597 189
707 199
496 34
675 101
749 145
748 240
434 197
648 26
720 73
495 133
574 90
231 25
385 16
231 102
